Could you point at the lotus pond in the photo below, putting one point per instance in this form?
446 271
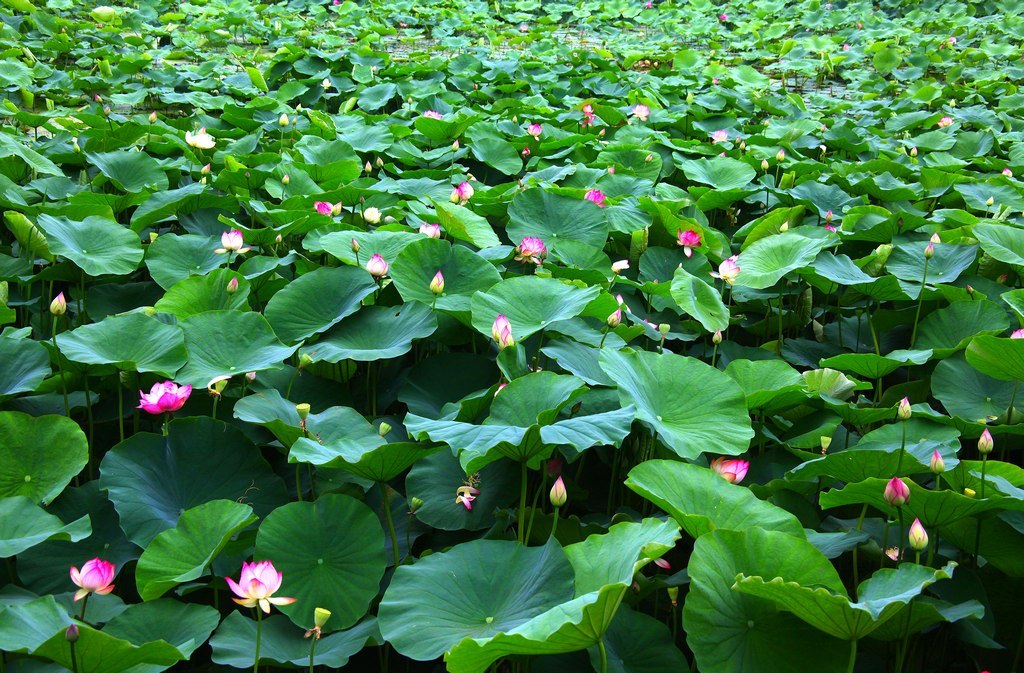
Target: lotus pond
454 336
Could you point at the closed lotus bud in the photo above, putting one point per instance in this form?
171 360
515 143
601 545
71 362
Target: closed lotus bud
59 305
384 429
71 634
935 239
903 412
784 227
437 284
937 465
764 164
917 537
990 201
969 492
355 245
286 180
985 443
368 168
415 503
377 266
205 170
615 319
455 145
913 151
380 162
282 120
896 492
371 215
305 360
716 338
74 145
232 286
106 110
664 329
501 332
250 376
558 493
969 289
152 117
780 155
929 251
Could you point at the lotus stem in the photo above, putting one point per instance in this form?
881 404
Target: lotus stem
120 408
312 650
903 449
853 655
604 655
1013 398
81 614
1020 648
906 632
920 300
74 659
60 368
856 572
899 511
391 524
88 417
554 523
259 630
522 502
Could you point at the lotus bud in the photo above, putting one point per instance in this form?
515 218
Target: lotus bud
250 376
929 250
664 329
501 332
305 360
384 429
917 537
937 465
784 227
205 170
969 289
232 286
455 145
615 319
437 284
355 246
152 117
71 634
106 110
969 492
558 493
282 120
896 492
303 411
764 164
75 147
286 180
371 215
780 155
278 239
913 151
415 503
716 338
990 201
380 162
985 443
336 209
368 168
59 305
377 266
743 145
649 158
903 412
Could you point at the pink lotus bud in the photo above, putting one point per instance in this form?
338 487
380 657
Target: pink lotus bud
232 241
896 492
286 180
355 246
462 193
1007 172
437 284
719 136
935 239
615 319
323 207
96 577
688 240
71 634
501 332
595 196
152 117
558 494
164 398
929 250
952 40
59 305
535 130
903 411
733 470
663 564
944 122
433 114
250 376
525 152
649 4
716 338
531 250
430 230
917 537
846 47
377 266
641 112
937 465
232 286
257 585
913 151
828 217
728 270
764 164
780 155
985 443
723 17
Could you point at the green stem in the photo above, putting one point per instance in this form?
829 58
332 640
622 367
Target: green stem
903 448
920 300
391 524
312 650
1009 409
522 502
259 629
604 656
853 655
60 368
906 633
85 601
554 523
542 486
856 573
216 399
298 481
903 542
120 408
88 417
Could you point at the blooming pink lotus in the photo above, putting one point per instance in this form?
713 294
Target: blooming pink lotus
896 492
723 17
531 250
728 270
846 47
324 207
1017 334
523 28
95 577
596 196
952 40
588 115
430 230
945 121
689 240
164 397
732 470
232 241
535 130
462 193
433 114
641 112
377 266
1007 172
719 136
257 586
501 332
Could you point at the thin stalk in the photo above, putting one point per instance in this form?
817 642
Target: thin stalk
312 650
920 300
120 408
1013 398
60 368
604 655
88 417
74 659
542 486
522 503
216 399
856 573
903 447
81 615
899 511
981 492
853 655
1019 650
298 481
259 630
906 632
391 524
554 523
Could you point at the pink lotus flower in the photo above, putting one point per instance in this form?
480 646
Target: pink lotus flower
164 397
1017 334
985 443
525 152
830 228
430 230
719 136
558 494
324 207
462 193
945 121
531 250
433 114
723 17
465 495
596 196
257 586
952 40
501 332
893 553
649 5
714 80
641 112
588 115
663 564
377 266
732 470
728 270
1007 172
688 240
232 241
523 28
535 130
846 47
896 492
95 577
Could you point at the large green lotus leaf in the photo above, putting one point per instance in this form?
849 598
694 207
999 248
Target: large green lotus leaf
767 384
874 366
578 359
533 399
638 643
967 393
604 566
132 342
1000 543
676 395
197 294
317 300
229 343
730 632
951 329
880 598
856 464
700 500
531 303
947 263
166 204
24 626
171 259
463 224
479 445
100 652
925 612
1002 242
24 524
184 552
26 365
428 609
495 152
375 333
387 244
1001 359
341 438
721 173
699 300
772 257
130 171
331 553
555 217
465 273
97 245
280 642
152 479
27 234
186 626
13 146
435 480
933 508
39 455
